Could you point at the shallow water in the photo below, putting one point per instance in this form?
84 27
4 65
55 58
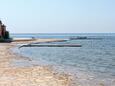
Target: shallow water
94 61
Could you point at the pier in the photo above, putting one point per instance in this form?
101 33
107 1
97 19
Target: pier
52 45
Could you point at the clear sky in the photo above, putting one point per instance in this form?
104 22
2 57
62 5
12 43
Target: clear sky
55 16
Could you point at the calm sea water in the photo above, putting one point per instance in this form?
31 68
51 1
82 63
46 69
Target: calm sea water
96 56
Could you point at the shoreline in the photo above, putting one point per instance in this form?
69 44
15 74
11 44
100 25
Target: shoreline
40 75
27 76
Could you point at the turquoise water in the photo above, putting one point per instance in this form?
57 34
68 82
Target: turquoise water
96 56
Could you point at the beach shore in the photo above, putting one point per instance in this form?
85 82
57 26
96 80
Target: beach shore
28 75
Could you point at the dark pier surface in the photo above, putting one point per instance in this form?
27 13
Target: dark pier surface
52 45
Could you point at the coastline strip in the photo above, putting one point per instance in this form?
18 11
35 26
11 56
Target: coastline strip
27 76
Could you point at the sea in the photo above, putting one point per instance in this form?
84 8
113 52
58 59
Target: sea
93 64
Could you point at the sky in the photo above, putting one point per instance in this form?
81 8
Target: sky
58 16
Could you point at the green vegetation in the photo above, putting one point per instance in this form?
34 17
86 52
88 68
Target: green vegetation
6 36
